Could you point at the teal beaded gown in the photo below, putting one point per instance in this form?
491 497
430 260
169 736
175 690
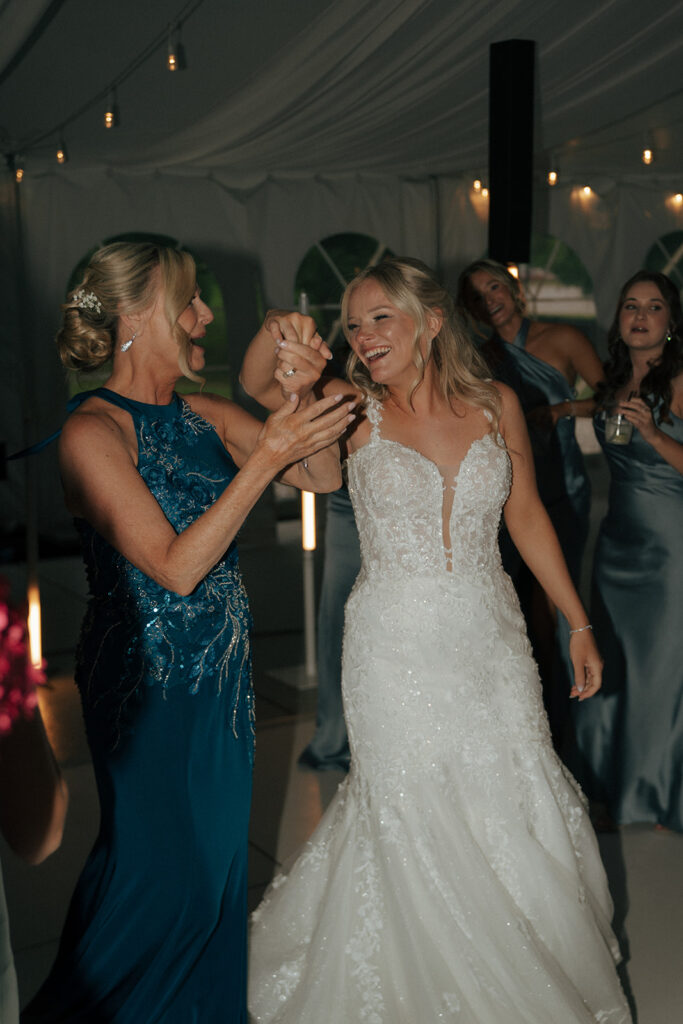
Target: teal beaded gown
156 931
630 736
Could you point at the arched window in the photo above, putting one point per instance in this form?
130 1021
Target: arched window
558 286
324 273
216 370
666 256
559 289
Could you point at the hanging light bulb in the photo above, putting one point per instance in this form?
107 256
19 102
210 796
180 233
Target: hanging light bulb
678 199
111 113
484 191
647 156
61 154
172 57
552 177
587 190
513 269
476 184
19 173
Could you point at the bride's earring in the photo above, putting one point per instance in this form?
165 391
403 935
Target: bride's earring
126 344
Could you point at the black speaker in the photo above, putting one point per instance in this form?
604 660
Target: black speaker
511 146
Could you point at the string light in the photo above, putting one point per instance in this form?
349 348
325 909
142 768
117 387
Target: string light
19 170
677 199
587 190
513 269
61 154
647 156
171 33
484 192
172 58
476 184
552 177
110 114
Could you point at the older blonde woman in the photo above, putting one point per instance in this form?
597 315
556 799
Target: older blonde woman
159 485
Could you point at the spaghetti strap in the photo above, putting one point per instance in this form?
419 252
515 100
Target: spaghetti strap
373 410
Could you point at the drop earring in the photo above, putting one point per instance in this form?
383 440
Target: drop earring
126 344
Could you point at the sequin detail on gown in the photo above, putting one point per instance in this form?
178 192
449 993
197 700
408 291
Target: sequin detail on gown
455 875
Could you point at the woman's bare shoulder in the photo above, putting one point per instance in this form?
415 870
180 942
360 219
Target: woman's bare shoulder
677 395
94 422
508 396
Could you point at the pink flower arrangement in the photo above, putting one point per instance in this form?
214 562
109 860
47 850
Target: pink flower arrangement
18 677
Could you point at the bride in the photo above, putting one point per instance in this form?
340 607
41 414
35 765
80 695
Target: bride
455 875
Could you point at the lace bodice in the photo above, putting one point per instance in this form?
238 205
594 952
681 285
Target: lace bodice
416 518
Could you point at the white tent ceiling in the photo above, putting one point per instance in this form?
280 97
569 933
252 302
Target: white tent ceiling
320 86
298 119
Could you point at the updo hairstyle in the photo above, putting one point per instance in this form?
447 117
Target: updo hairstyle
411 286
124 278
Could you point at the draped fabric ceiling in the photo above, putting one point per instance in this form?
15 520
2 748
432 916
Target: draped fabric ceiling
293 121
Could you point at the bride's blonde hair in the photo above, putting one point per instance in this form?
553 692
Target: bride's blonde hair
411 286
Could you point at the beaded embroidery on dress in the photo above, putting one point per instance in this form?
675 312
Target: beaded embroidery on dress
455 875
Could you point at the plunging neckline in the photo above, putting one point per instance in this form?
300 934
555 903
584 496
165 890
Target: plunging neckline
448 490
422 456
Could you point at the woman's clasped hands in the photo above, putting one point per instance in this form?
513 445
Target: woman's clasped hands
296 432
302 355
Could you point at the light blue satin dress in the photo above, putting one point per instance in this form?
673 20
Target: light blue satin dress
630 735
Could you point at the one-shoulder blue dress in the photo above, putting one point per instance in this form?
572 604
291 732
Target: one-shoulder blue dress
563 486
156 931
630 735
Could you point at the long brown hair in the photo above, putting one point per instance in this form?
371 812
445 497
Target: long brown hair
655 387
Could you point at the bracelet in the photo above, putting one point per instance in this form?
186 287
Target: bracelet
580 629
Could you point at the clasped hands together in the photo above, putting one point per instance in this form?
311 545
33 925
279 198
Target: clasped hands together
301 353
302 426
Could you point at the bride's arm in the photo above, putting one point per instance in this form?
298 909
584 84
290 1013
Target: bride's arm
534 537
285 342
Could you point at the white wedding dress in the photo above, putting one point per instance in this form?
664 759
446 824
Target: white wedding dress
455 876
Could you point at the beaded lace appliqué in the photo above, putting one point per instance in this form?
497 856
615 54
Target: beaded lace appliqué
168 639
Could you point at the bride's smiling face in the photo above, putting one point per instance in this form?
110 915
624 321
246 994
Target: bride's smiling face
381 334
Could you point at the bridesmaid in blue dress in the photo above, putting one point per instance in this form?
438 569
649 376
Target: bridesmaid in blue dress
540 362
631 738
159 486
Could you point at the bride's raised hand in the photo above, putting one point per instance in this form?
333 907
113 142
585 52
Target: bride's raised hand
302 355
295 431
